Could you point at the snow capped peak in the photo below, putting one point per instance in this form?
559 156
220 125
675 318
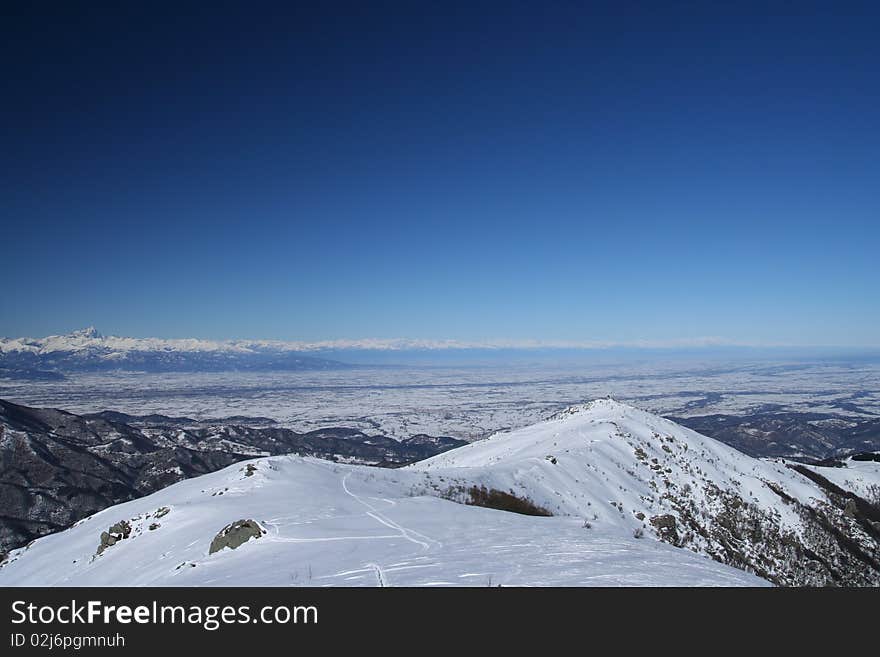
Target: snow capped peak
605 405
91 333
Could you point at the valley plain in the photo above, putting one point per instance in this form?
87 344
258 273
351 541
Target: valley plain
835 403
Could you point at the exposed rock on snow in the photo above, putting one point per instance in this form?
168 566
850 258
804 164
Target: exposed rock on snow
120 531
236 534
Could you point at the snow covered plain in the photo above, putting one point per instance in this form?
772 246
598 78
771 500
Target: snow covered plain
468 403
327 524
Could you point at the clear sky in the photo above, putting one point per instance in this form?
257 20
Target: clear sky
546 171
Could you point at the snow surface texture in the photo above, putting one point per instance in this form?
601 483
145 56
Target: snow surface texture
333 524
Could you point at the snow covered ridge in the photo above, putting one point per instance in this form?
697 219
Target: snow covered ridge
635 500
611 463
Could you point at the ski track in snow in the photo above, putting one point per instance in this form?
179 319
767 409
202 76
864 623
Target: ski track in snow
408 534
380 576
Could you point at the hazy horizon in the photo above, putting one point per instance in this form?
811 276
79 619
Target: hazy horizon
451 353
558 173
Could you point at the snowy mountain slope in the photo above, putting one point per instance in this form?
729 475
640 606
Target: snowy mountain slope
607 452
57 467
330 524
628 490
611 463
859 477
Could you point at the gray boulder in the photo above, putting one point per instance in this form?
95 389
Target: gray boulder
120 531
236 534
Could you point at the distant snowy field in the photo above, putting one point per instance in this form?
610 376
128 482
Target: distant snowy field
469 403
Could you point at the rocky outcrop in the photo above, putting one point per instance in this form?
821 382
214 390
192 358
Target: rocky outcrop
236 534
118 532
666 528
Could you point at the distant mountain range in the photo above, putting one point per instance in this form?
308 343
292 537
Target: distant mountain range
87 350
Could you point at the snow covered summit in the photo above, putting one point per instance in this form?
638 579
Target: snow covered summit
620 466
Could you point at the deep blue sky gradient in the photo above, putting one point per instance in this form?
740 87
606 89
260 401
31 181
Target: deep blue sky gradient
552 171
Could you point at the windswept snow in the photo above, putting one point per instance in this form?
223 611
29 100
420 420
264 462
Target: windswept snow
605 470
336 525
612 460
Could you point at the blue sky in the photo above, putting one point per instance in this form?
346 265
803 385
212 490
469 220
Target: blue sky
526 171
